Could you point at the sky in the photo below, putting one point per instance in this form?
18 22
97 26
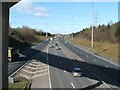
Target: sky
62 17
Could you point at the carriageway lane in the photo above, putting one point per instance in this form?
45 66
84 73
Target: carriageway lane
60 71
107 68
29 53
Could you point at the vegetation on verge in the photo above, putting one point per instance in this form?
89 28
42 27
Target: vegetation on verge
105 49
102 33
20 85
105 39
23 38
26 34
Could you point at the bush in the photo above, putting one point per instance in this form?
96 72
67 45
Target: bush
109 33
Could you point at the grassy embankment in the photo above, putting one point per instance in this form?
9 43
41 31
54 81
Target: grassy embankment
18 85
41 38
105 49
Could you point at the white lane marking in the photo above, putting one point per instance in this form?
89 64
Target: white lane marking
86 55
106 84
48 70
72 85
95 60
64 70
77 50
22 66
106 66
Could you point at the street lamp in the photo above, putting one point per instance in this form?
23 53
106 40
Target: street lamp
92 36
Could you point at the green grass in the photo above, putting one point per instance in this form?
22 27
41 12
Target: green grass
105 49
21 85
42 38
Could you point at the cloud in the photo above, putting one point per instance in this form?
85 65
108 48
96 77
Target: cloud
41 14
27 7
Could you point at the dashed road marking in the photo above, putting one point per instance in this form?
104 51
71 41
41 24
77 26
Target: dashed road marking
86 55
64 70
72 85
106 66
95 60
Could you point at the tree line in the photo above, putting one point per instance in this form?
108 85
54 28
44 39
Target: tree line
109 32
26 34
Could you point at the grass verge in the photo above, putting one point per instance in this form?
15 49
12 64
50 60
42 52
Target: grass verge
41 38
105 49
20 85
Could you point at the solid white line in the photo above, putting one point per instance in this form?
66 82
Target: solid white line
19 68
25 63
86 55
106 66
48 70
72 85
22 65
64 70
106 84
114 63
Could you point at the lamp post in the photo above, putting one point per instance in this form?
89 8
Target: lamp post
92 33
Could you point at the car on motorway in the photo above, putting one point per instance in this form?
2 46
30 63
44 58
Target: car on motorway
57 48
51 46
56 43
77 72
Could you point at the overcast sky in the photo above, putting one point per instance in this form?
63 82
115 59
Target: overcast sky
62 17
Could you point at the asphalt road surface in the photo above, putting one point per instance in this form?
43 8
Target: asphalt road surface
95 70
61 76
110 70
28 54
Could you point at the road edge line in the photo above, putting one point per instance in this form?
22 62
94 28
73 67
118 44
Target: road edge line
100 57
23 65
49 70
72 85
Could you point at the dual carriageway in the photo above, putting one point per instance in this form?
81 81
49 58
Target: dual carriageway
97 72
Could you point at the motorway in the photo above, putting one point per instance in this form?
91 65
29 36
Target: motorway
109 70
97 73
61 66
60 71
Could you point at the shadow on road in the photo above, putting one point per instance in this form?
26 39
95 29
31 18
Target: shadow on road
68 65
92 86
